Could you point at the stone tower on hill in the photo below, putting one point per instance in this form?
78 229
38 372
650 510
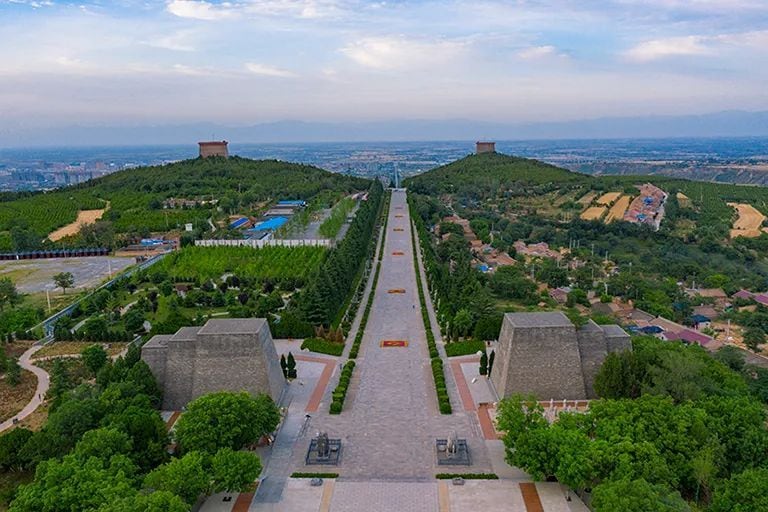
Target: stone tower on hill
544 354
485 147
223 355
213 148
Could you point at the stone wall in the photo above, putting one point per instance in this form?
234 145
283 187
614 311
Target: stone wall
545 355
592 349
539 357
223 355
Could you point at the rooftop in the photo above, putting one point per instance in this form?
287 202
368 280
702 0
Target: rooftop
159 340
231 326
613 331
541 319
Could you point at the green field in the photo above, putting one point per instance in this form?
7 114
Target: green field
204 263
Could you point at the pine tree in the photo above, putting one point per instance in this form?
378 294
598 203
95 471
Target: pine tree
284 365
291 366
490 362
484 363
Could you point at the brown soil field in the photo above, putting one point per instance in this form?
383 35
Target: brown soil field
749 222
683 200
14 398
593 213
66 348
617 210
608 198
587 198
84 217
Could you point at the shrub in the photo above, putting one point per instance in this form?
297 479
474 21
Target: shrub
467 476
323 346
464 348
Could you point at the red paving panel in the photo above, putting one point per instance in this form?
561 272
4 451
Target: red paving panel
461 383
243 502
531 497
486 423
317 395
398 229
394 343
398 253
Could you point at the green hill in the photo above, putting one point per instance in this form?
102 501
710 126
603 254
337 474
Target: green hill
488 174
136 196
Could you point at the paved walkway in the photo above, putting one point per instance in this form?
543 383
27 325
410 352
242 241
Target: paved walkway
390 419
43 382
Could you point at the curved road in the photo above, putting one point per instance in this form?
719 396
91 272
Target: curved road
43 382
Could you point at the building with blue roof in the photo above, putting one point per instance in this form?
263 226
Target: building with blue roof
272 224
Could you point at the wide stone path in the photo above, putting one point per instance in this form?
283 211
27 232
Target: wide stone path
390 419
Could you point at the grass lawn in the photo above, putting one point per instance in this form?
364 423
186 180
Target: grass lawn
14 398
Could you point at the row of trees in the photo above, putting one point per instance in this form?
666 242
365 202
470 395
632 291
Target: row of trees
329 286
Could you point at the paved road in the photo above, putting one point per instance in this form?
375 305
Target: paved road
43 382
390 419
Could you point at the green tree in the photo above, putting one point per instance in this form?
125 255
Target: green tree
74 483
290 366
226 420
745 492
491 359
284 365
13 372
11 444
103 443
158 501
64 280
134 320
636 496
484 363
234 471
8 294
753 338
462 323
94 357
185 477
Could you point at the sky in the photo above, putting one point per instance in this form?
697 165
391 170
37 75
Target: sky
239 62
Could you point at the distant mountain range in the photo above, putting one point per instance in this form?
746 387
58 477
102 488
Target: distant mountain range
719 124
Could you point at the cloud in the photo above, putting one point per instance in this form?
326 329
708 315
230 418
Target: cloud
697 45
209 11
202 10
538 52
266 70
669 47
399 52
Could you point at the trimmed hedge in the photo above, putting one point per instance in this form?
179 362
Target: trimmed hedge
464 348
467 476
438 373
340 392
298 474
322 346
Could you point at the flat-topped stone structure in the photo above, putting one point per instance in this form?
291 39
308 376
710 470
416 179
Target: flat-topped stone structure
544 354
235 354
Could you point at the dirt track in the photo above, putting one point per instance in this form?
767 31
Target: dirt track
84 217
749 223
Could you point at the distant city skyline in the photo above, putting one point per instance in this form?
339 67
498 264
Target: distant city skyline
133 63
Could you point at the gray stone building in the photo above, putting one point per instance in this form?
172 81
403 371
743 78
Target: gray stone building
223 355
544 354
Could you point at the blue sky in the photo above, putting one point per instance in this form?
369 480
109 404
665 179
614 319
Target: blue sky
248 61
